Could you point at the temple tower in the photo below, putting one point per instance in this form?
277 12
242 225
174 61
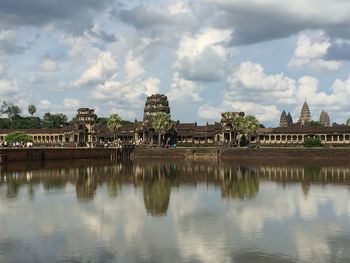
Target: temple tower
84 121
324 119
283 120
289 119
155 103
305 115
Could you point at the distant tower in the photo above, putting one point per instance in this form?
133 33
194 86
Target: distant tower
283 120
289 119
155 103
324 119
305 115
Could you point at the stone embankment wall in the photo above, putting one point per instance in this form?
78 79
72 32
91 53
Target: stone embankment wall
29 154
210 154
242 154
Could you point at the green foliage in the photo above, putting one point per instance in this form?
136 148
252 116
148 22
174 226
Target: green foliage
348 122
156 195
114 122
12 111
5 123
315 123
251 125
102 120
31 109
161 122
56 120
27 123
244 126
17 137
312 142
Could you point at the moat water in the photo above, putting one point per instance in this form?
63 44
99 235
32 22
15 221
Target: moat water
85 211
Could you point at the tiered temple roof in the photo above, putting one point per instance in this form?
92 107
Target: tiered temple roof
324 119
155 103
305 115
283 120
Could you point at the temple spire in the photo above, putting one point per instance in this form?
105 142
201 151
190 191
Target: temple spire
305 115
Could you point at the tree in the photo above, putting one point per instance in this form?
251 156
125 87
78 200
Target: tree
251 126
31 109
17 137
114 123
312 142
237 123
161 124
348 122
57 120
315 124
244 126
27 123
12 111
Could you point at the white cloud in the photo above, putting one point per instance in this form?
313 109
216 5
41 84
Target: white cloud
44 105
203 56
99 70
133 67
71 104
250 82
48 65
251 90
183 90
68 106
311 53
128 91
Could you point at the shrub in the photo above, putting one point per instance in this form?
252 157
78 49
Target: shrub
312 142
17 137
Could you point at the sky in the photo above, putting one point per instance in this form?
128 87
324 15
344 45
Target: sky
207 56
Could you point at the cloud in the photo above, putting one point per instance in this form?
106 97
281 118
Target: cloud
10 43
144 16
251 90
311 54
255 21
183 90
74 17
68 106
99 70
48 65
71 104
338 51
203 57
249 82
129 89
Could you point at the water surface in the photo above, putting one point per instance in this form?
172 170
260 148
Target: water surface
174 212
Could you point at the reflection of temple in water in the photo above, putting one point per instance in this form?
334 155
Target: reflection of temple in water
156 180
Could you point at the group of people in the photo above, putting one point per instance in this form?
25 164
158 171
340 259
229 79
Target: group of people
17 144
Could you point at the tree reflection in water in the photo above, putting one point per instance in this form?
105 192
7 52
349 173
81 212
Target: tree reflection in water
238 181
156 190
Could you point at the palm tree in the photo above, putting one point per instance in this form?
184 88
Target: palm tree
31 109
161 124
251 126
114 123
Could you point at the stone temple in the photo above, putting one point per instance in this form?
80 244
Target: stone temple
155 103
305 115
324 119
286 120
305 118
85 130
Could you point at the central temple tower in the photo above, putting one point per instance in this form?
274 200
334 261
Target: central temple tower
155 103
305 116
